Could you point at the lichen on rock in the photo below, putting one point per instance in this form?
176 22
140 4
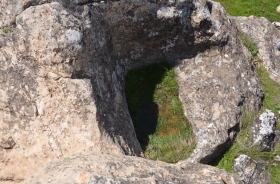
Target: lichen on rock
267 37
96 167
250 170
262 131
62 75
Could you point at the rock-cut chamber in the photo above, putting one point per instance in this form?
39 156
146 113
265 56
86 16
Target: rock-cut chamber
157 113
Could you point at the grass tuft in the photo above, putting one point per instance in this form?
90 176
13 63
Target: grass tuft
271 90
157 113
251 46
6 30
259 8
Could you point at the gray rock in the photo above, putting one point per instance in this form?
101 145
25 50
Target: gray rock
214 85
10 9
267 36
94 167
251 171
262 131
277 158
278 8
276 24
63 66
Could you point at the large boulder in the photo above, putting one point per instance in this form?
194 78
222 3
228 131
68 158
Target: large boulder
10 9
215 83
47 109
251 171
94 167
63 67
267 36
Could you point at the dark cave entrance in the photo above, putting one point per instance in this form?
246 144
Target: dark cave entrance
157 114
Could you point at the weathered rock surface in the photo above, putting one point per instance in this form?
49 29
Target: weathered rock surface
94 167
277 158
9 9
276 24
63 66
251 171
262 131
214 84
278 8
47 113
267 36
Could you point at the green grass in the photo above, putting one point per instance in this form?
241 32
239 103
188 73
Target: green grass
271 90
157 113
239 147
271 101
259 8
251 46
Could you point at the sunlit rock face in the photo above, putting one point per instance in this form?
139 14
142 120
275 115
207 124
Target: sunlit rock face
96 167
251 171
62 76
267 36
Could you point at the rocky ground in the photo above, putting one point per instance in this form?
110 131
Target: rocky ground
267 37
62 86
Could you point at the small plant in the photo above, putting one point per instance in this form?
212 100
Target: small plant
251 46
6 30
77 74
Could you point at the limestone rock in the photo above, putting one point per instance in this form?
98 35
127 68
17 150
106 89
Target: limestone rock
63 67
251 171
277 158
49 112
7 143
94 167
9 9
276 24
278 8
262 131
214 85
267 36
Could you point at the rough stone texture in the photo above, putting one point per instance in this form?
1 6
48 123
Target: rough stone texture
277 158
278 8
96 167
251 171
63 67
267 36
214 84
262 131
47 113
9 9
276 24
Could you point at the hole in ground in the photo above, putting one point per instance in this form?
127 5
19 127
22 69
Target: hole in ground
157 113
